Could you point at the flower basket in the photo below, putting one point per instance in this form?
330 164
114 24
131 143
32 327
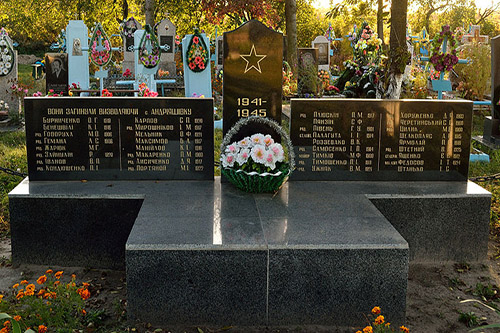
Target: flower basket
241 163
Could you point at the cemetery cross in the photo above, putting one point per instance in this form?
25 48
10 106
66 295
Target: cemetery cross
442 84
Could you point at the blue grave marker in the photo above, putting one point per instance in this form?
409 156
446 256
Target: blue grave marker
199 83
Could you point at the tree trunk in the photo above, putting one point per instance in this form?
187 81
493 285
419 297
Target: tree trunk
149 10
398 54
291 33
380 20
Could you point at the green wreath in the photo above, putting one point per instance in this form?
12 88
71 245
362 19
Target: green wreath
197 53
147 58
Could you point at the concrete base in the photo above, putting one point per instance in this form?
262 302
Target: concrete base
206 253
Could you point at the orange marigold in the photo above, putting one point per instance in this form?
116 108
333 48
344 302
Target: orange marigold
42 329
379 320
29 293
359 332
56 283
84 312
20 294
85 284
49 271
4 330
368 329
41 279
30 287
1 298
15 286
84 293
17 318
404 329
376 310
6 323
73 276
41 292
58 274
24 282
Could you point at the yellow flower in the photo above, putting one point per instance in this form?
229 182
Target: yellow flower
379 320
15 286
368 329
1 298
30 287
376 310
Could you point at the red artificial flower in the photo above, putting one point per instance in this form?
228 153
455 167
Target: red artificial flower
192 65
197 60
196 40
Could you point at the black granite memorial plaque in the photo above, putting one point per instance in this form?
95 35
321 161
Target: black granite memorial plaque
167 40
119 138
344 139
495 77
56 65
253 56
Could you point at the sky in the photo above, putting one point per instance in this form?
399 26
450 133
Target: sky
326 3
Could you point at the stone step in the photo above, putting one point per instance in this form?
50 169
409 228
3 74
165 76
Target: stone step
224 257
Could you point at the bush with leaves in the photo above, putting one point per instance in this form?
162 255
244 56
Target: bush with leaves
474 77
361 75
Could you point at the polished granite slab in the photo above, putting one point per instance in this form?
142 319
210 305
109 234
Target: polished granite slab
202 252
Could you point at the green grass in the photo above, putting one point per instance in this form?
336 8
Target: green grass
24 76
12 156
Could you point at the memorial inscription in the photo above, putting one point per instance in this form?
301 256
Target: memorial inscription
119 138
381 140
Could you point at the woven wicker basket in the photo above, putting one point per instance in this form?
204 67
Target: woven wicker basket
254 182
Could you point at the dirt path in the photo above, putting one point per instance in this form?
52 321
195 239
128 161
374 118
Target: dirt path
433 301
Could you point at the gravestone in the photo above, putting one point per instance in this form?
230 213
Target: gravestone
491 131
56 72
166 35
78 59
219 52
323 46
475 36
308 82
128 29
142 73
117 138
199 83
389 140
253 56
8 72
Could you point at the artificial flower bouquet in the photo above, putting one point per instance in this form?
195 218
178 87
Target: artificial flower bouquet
256 163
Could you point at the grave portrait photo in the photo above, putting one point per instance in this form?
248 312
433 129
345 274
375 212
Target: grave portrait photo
56 65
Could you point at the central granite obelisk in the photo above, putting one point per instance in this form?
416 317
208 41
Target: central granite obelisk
253 56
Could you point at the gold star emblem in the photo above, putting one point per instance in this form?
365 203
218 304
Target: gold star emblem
253 60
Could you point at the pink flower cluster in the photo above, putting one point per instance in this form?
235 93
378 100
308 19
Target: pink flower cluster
256 149
145 92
